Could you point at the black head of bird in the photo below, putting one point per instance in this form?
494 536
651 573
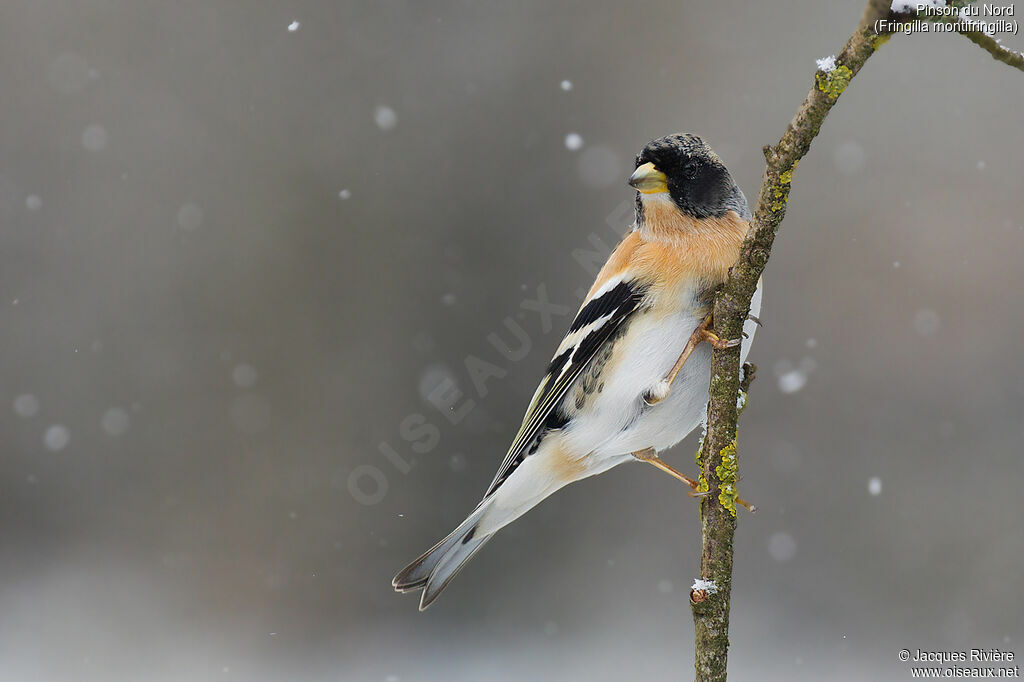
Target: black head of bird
685 168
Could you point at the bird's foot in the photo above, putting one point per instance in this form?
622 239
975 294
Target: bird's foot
660 391
717 341
650 455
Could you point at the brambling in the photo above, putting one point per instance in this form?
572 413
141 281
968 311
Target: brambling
631 376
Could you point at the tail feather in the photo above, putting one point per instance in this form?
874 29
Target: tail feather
434 570
450 564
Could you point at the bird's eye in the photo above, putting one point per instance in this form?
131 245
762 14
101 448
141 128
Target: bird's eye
690 169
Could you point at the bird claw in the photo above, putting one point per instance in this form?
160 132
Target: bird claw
721 343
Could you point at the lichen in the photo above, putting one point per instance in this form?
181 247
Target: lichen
780 194
834 82
879 40
780 198
728 476
702 483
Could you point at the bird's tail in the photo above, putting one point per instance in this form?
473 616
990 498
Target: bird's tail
435 569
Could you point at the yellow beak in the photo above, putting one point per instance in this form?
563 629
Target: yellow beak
648 179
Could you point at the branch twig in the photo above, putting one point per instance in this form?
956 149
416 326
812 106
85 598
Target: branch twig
961 23
998 52
717 456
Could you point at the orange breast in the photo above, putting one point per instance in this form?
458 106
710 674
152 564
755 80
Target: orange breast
672 251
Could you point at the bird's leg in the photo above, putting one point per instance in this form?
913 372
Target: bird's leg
701 333
650 455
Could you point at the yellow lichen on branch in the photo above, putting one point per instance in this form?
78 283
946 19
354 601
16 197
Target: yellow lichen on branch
728 477
833 82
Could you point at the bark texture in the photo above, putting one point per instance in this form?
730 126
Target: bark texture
717 458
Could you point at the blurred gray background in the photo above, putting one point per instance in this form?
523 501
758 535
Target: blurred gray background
244 243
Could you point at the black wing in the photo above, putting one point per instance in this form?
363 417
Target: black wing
596 322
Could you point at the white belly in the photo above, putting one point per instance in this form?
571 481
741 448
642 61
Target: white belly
620 422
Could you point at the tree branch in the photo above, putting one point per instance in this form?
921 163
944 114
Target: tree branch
717 457
992 46
710 597
962 24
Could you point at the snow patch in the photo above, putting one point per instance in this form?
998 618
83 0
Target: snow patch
904 6
827 64
708 586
